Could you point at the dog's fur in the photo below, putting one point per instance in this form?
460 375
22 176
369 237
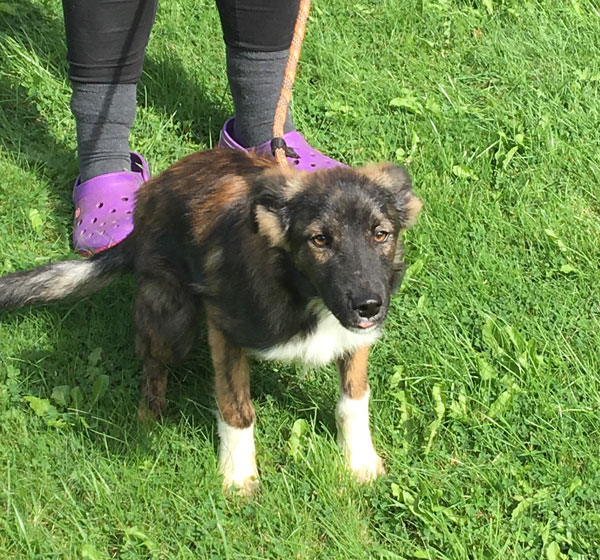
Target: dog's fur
285 264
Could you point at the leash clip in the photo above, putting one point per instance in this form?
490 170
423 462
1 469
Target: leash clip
279 142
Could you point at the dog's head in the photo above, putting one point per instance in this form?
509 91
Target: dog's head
341 227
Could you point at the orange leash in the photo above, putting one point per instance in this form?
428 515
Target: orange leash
278 144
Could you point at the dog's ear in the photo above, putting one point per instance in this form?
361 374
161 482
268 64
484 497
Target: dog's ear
396 180
269 207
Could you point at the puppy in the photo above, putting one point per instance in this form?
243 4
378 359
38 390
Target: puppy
286 265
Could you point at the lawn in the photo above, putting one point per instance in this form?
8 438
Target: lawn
485 387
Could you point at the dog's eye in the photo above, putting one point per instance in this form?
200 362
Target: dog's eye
380 236
319 240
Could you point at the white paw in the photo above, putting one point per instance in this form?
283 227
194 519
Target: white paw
354 438
237 459
243 482
367 467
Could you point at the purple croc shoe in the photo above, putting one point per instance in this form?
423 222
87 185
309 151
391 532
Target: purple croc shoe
305 158
104 207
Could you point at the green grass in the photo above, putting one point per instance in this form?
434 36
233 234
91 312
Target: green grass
486 394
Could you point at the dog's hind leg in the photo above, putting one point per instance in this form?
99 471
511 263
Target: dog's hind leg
352 416
237 459
165 318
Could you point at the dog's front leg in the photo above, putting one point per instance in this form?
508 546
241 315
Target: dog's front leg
237 459
352 416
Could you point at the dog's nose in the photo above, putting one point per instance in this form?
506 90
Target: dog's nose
367 307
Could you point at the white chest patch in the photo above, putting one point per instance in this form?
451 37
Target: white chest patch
329 340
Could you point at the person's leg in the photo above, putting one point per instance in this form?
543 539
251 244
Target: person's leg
104 115
106 43
255 79
257 36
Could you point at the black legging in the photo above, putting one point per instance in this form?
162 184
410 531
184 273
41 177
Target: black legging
106 39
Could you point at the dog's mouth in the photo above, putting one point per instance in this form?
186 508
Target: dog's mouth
362 325
356 324
365 327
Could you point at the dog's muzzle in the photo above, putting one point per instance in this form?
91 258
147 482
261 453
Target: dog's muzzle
366 309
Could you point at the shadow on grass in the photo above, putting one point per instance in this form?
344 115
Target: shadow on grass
105 321
164 86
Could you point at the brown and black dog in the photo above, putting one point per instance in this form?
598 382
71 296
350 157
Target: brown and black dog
286 265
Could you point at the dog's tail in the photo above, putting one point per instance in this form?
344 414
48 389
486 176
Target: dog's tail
64 279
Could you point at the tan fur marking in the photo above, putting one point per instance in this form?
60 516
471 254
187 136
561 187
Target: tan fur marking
381 175
321 256
269 226
413 207
353 373
390 248
377 173
232 379
225 192
292 181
